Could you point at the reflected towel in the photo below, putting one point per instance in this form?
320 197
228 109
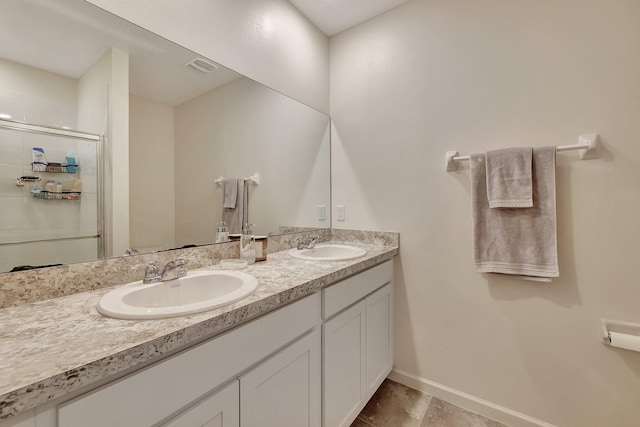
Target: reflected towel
229 192
236 217
519 242
509 182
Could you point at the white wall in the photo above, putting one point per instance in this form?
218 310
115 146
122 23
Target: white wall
37 96
151 175
235 131
103 108
437 75
266 40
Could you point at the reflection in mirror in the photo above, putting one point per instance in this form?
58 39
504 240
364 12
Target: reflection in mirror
173 123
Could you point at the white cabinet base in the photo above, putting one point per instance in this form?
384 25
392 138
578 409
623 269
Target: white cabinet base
357 342
344 348
379 337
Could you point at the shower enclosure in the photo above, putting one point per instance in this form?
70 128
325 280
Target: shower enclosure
51 209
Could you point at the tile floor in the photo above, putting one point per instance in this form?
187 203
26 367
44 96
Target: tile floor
395 405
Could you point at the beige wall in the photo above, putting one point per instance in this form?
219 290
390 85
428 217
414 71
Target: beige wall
235 131
103 108
266 40
151 175
437 75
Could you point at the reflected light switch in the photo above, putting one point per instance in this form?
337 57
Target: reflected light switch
322 212
340 212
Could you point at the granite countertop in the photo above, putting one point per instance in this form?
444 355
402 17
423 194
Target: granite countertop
53 347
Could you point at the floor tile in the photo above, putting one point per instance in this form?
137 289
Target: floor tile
444 414
395 405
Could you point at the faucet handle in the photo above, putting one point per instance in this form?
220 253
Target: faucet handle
312 241
150 265
182 260
151 273
301 242
175 268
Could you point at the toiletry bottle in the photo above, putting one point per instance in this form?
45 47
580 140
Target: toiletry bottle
50 186
223 233
39 162
59 190
261 248
247 244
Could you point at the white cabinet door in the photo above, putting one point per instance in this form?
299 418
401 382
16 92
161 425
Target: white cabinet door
343 352
284 391
379 337
221 409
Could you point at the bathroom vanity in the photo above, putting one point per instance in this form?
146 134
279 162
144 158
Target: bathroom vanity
309 348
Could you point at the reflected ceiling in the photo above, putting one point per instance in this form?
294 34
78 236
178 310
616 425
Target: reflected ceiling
55 26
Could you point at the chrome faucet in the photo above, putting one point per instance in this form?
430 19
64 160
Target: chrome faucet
174 269
151 272
309 243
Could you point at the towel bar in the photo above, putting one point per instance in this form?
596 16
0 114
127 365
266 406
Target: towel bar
587 144
255 178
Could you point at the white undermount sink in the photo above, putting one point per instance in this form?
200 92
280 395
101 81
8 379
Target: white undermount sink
198 291
328 252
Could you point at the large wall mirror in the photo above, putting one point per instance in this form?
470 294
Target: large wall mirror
178 129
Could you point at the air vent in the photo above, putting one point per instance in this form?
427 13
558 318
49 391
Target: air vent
202 65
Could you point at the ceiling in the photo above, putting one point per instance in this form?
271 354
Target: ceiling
334 16
157 68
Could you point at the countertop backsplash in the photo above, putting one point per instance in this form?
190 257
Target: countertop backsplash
29 286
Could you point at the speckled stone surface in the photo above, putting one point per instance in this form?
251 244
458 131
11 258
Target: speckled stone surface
29 286
383 238
55 346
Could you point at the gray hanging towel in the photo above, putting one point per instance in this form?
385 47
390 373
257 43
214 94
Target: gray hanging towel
230 192
509 183
519 242
239 215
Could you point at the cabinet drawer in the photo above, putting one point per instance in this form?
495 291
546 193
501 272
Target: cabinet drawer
341 295
152 394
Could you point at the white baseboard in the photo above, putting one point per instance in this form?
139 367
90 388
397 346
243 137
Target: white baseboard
467 401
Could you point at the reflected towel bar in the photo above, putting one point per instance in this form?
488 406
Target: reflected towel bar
255 178
587 144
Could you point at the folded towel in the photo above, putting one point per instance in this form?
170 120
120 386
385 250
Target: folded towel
509 178
230 192
520 242
236 217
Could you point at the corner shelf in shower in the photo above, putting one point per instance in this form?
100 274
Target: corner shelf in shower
51 195
54 168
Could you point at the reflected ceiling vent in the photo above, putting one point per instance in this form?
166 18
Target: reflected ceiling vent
202 65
